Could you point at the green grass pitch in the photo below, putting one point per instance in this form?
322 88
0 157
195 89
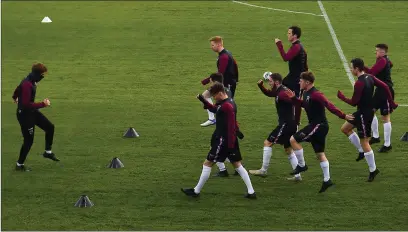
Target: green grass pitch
114 65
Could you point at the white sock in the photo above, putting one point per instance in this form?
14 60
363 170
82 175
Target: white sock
244 175
205 174
267 154
387 134
325 167
374 127
369 156
300 157
294 162
210 114
221 166
355 140
20 164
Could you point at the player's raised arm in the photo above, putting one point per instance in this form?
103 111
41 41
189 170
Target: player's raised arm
267 92
207 105
292 52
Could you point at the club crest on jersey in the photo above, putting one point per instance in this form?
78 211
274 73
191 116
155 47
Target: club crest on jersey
307 99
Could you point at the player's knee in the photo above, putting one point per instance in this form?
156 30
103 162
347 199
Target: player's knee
267 143
292 140
345 130
288 151
386 118
237 164
321 156
28 141
51 128
208 163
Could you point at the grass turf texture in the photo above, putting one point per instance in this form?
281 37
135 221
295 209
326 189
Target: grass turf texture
113 65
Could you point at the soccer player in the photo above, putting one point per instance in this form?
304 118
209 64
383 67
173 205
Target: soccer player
224 143
382 70
227 66
363 117
29 116
286 125
214 78
297 59
314 103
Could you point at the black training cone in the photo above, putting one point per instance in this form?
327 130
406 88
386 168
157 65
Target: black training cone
116 163
84 202
405 137
131 133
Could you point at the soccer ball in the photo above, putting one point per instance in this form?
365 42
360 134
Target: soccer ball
266 75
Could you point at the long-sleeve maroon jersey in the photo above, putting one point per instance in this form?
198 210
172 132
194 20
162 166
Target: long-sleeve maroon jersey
381 69
226 124
363 93
283 104
315 103
227 65
297 59
25 92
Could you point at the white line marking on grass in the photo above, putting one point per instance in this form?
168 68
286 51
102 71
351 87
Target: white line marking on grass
275 9
336 43
338 47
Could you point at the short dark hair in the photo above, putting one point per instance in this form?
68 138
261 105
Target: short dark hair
276 77
358 63
38 68
296 31
307 76
217 77
216 88
382 46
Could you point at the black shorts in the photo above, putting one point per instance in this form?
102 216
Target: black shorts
282 133
381 103
362 121
315 134
219 151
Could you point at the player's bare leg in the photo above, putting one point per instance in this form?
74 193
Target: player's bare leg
324 164
298 150
347 129
211 117
387 133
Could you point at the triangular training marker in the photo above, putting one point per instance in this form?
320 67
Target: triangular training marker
116 163
131 133
84 202
405 137
46 19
